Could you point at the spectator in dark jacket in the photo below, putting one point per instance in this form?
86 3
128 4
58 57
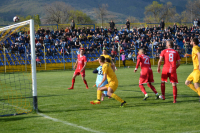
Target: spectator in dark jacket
49 53
72 25
112 25
162 24
127 24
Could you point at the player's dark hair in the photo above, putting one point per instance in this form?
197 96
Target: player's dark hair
107 60
102 59
171 44
196 41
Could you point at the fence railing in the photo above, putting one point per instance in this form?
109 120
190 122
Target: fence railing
66 62
118 26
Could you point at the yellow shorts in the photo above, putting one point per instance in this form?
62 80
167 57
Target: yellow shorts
113 85
194 76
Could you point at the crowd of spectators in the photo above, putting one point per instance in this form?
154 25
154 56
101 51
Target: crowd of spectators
125 40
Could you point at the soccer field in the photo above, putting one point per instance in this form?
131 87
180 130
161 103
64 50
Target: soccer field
70 111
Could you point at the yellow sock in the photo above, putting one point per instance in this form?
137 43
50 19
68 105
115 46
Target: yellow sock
99 93
192 87
117 98
198 89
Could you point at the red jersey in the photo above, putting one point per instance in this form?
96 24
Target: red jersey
81 61
143 61
170 57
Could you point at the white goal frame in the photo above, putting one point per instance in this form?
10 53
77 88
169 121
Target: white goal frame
33 62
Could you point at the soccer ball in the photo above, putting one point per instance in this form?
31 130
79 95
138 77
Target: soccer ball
15 19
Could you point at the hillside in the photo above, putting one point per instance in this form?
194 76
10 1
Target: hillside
10 8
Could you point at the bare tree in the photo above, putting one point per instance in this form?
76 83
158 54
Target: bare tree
101 12
133 19
153 11
57 12
192 9
168 12
156 12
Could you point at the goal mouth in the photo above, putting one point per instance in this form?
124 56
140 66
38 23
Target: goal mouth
18 89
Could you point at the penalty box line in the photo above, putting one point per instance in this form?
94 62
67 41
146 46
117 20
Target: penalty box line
68 123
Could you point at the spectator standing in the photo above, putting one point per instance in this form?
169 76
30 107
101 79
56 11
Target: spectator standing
112 25
162 24
195 23
72 25
124 59
128 24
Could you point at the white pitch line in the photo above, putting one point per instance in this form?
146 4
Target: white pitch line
192 131
67 123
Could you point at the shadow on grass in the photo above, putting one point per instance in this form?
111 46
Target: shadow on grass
15 118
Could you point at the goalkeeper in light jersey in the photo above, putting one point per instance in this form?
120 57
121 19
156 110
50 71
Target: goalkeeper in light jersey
99 79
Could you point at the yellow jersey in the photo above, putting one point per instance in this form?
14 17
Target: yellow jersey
107 56
111 76
195 50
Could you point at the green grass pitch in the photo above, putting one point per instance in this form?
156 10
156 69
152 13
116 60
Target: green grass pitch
73 106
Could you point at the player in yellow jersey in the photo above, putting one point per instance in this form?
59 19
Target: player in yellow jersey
105 54
112 85
195 75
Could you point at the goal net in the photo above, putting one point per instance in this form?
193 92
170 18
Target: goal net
18 92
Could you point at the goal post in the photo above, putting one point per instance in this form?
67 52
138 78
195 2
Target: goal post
18 92
33 65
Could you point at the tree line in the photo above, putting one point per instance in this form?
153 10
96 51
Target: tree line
61 13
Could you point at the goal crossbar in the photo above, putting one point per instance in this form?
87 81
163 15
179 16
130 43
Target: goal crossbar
15 25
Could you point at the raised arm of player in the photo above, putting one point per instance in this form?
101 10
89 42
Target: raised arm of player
103 80
189 55
137 65
159 64
95 71
198 54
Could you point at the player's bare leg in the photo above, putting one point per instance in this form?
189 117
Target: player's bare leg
73 81
85 82
144 92
162 90
174 91
153 89
191 86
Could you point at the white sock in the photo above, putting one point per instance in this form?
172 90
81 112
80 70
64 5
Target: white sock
146 95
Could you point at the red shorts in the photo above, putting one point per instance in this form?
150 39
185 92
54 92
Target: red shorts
77 72
166 72
146 76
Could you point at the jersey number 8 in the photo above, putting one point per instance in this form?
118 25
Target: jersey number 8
171 57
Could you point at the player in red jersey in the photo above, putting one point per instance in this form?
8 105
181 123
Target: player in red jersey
80 69
146 74
171 63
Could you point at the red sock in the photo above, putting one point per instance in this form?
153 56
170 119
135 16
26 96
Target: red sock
142 89
174 92
152 87
73 81
85 83
163 88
